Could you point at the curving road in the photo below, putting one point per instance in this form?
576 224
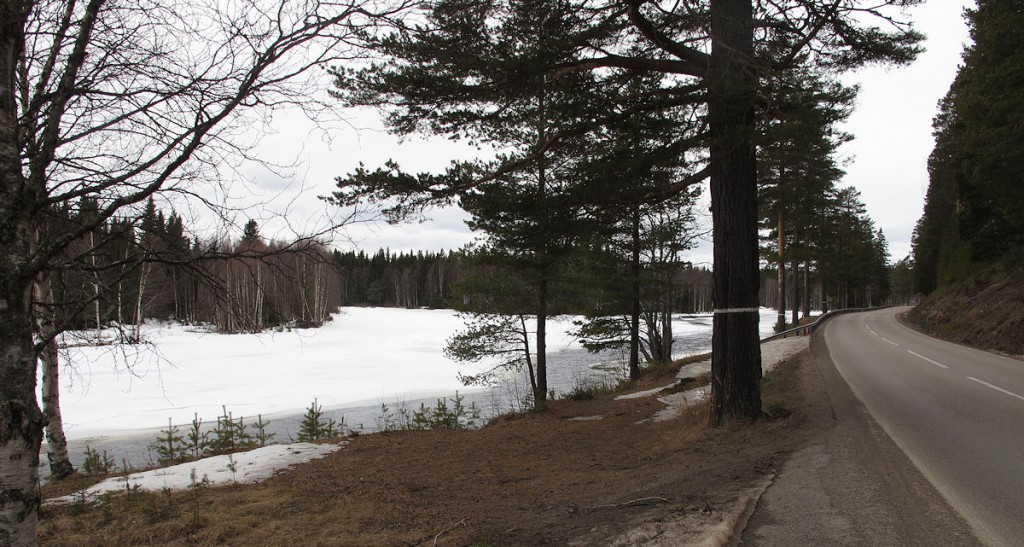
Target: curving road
956 412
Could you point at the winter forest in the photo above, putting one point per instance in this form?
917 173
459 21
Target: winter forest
150 268
625 134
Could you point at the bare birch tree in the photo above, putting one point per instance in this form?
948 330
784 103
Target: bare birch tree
117 101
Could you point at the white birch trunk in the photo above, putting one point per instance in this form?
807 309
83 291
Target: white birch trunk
56 441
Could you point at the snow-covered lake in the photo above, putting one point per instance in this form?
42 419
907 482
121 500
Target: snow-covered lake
117 398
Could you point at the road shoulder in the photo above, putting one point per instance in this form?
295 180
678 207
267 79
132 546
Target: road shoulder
852 485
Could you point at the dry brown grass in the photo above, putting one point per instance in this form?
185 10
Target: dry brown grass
985 311
534 480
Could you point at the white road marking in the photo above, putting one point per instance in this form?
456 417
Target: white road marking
890 341
997 388
871 331
918 355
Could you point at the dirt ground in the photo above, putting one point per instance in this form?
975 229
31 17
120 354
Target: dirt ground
985 311
537 479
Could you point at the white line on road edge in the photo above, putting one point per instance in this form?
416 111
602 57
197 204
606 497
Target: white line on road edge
871 331
997 388
890 341
918 355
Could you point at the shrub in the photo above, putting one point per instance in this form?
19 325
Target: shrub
315 428
169 446
97 463
440 416
230 435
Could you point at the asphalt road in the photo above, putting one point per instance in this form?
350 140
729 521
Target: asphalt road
957 413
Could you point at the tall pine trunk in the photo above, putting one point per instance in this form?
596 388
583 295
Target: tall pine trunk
540 394
824 296
795 311
780 322
732 89
807 289
526 353
634 319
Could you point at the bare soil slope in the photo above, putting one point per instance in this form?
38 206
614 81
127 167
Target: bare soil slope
985 311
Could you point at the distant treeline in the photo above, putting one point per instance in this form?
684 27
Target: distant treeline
401 280
148 267
439 280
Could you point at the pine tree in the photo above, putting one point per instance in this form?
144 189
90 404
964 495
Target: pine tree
989 101
624 40
798 171
251 232
313 427
528 212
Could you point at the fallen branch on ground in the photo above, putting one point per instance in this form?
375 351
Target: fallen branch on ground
632 502
449 529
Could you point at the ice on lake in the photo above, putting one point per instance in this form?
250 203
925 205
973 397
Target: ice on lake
362 358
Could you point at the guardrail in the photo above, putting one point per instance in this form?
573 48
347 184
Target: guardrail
804 330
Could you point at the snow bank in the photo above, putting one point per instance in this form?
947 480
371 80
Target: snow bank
240 468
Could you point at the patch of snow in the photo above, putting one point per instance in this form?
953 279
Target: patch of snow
249 467
362 357
586 418
694 370
645 393
676 402
772 353
777 351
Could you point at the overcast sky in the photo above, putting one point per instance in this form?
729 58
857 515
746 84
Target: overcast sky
892 123
886 161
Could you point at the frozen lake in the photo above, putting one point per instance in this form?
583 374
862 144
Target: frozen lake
117 398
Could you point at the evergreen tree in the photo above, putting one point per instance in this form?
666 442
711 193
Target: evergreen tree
989 100
973 207
798 171
633 281
721 69
251 232
455 80
853 263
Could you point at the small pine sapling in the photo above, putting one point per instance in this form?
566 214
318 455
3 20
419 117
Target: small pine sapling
170 447
233 467
91 461
197 441
261 437
386 422
196 486
443 416
97 463
229 435
314 428
243 439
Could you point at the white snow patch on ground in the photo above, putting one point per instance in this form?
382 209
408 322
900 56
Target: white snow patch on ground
249 467
642 394
772 353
